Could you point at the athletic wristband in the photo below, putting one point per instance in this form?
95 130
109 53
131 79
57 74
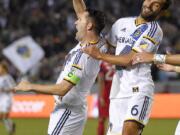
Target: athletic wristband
72 78
159 58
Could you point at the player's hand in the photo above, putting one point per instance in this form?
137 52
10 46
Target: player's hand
143 57
166 67
23 86
93 51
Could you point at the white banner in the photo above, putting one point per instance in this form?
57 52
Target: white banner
24 53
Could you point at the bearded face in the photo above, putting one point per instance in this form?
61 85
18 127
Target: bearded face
151 9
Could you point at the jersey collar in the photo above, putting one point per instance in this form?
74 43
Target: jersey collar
90 43
139 21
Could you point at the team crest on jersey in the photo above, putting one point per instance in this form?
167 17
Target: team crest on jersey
138 32
23 51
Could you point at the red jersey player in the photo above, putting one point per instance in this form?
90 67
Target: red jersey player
104 81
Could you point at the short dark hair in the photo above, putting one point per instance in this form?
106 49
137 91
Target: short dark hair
167 4
99 19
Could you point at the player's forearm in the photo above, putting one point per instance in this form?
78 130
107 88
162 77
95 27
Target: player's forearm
173 59
56 89
121 60
79 6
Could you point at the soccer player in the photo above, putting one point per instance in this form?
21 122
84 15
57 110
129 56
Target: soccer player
172 65
132 87
6 89
104 81
75 81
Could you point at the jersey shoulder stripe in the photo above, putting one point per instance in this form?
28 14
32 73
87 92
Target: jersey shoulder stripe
77 58
101 43
153 29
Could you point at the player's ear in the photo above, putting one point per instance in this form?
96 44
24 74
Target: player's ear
89 26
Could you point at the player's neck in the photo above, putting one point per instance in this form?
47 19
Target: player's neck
140 20
91 38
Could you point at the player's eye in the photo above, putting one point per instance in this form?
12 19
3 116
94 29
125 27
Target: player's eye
156 5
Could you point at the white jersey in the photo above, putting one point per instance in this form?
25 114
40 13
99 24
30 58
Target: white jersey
83 66
126 35
6 85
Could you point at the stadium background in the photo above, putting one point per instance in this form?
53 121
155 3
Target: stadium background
51 24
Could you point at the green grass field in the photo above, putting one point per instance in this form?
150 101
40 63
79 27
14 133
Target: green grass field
39 127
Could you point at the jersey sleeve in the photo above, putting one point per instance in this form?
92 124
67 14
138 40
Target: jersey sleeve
74 75
112 35
150 40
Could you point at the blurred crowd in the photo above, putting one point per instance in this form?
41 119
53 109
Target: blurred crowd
51 24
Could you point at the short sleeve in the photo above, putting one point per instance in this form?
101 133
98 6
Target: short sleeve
74 75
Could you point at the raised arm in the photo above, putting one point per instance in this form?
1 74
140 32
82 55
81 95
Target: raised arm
79 6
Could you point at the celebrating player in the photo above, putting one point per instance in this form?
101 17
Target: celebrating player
104 81
79 74
132 87
6 88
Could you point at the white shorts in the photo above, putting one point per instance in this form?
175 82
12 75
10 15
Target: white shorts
5 103
65 121
136 108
